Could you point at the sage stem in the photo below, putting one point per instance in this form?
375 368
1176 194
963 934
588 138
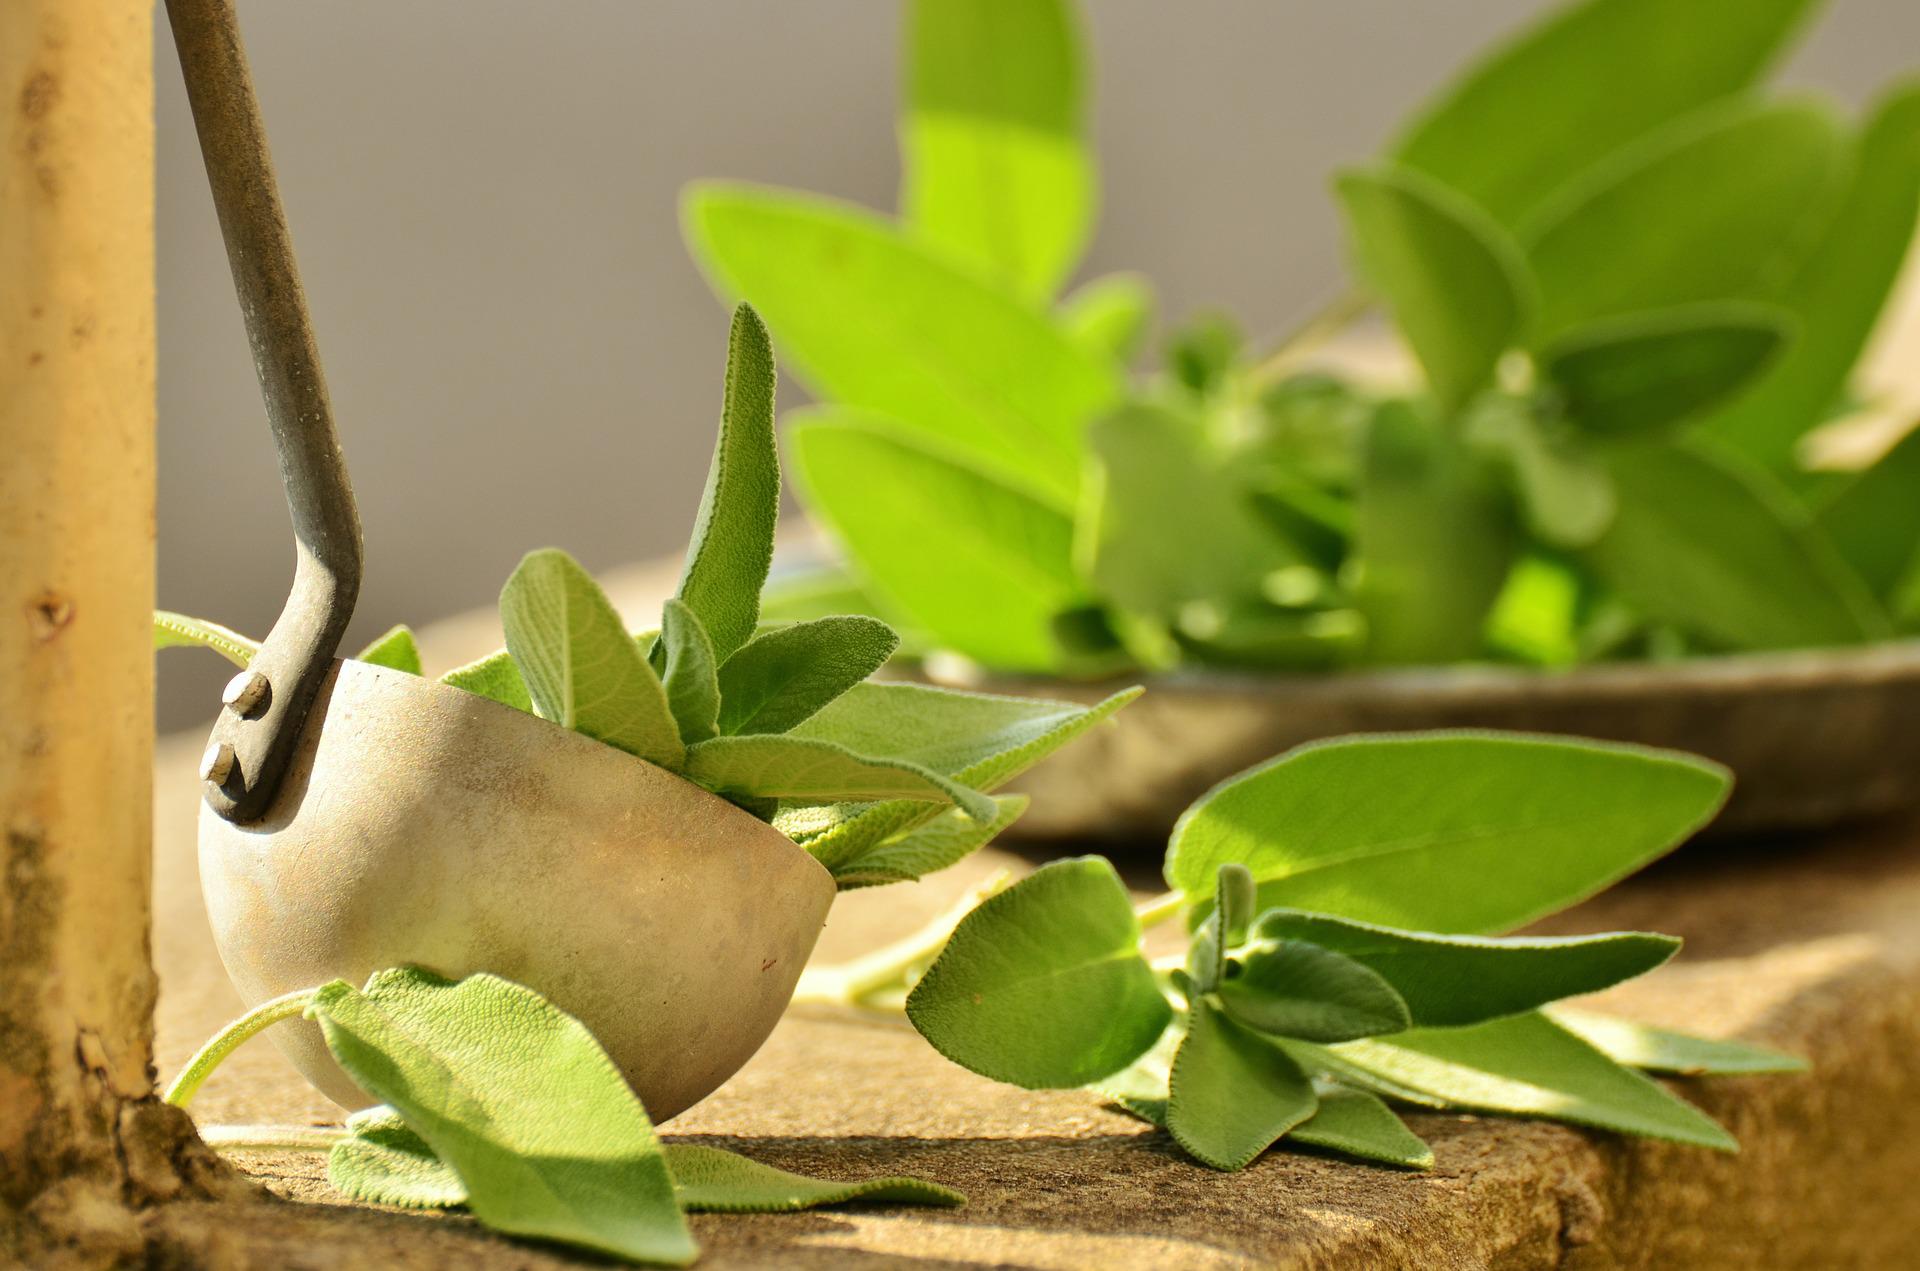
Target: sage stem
1153 912
853 983
229 1039
271 1138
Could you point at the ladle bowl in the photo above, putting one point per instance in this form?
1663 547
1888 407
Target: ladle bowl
421 824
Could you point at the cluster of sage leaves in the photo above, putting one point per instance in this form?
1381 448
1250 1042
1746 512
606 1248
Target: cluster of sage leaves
1344 902
1635 282
881 782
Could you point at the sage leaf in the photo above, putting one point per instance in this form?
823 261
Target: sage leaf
689 677
946 840
1004 565
1452 980
582 668
1734 195
1043 985
1455 281
784 675
1141 1087
382 1161
494 677
815 771
1293 989
1660 1050
1109 315
1839 290
732 545
818 591
1357 1124
1645 375
1707 543
178 631
544 1133
1429 831
1436 538
1873 518
872 320
1542 108
1529 1066
1232 1093
1224 927
396 650
995 166
1565 494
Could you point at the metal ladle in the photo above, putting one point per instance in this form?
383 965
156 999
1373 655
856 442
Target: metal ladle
358 818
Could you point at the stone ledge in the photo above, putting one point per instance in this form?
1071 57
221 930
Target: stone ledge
1813 946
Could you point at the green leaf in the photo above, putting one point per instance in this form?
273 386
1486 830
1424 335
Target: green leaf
1735 195
995 167
1109 315
1455 281
1650 373
946 840
1528 1066
1292 989
871 320
814 771
817 591
1873 518
397 650
1840 288
519 1099
692 684
1703 542
1232 1093
1453 980
1449 832
1563 489
1435 542
383 1162
1147 461
178 631
1658 1050
494 677
1043 985
732 544
975 563
784 675
1548 104
1224 927
1357 1124
582 668
979 739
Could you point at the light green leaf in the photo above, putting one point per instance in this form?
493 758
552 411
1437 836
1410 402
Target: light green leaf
1453 980
1548 104
1224 927
1539 615
1043 985
817 591
1840 288
979 566
1141 1087
1435 541
515 1095
178 631
1702 541
494 677
1563 489
732 544
814 771
1529 1066
582 668
1873 518
946 840
1454 280
1232 1093
1736 195
1357 1124
397 650
1449 832
783 675
1650 373
995 167
383 1162
692 684
1293 989
1658 1050
871 320
1109 315
1147 462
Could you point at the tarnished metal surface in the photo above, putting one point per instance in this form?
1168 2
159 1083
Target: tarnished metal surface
422 824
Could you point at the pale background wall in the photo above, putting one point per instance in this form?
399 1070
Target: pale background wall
483 194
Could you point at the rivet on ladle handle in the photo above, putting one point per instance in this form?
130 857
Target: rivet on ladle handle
268 705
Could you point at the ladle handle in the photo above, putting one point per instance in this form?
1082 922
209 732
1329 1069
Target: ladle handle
266 705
